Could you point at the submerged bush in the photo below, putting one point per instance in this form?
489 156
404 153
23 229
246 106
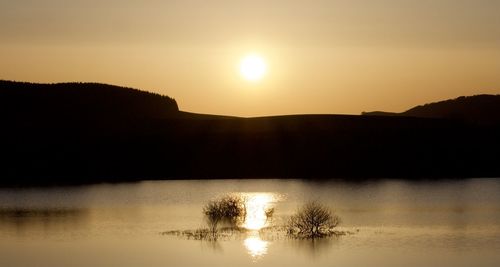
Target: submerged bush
228 210
313 220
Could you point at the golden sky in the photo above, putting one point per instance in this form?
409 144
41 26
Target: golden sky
323 56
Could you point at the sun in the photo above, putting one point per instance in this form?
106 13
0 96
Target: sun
253 67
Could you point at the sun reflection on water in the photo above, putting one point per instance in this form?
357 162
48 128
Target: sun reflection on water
256 206
255 246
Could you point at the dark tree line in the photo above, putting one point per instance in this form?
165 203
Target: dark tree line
80 101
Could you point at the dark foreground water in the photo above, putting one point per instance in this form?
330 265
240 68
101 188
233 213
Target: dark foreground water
392 223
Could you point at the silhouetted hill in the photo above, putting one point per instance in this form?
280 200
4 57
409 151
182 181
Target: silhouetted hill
80 101
84 133
478 109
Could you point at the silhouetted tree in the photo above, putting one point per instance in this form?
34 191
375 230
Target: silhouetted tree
312 220
229 210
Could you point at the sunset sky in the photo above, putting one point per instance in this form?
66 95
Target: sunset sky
327 56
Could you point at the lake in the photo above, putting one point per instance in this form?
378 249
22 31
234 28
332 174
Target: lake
388 223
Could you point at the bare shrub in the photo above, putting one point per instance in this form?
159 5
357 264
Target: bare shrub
229 210
313 220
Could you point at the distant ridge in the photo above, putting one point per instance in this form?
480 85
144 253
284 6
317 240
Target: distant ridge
73 133
81 101
380 113
478 109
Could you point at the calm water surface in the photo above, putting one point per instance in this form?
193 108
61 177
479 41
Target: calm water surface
394 223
